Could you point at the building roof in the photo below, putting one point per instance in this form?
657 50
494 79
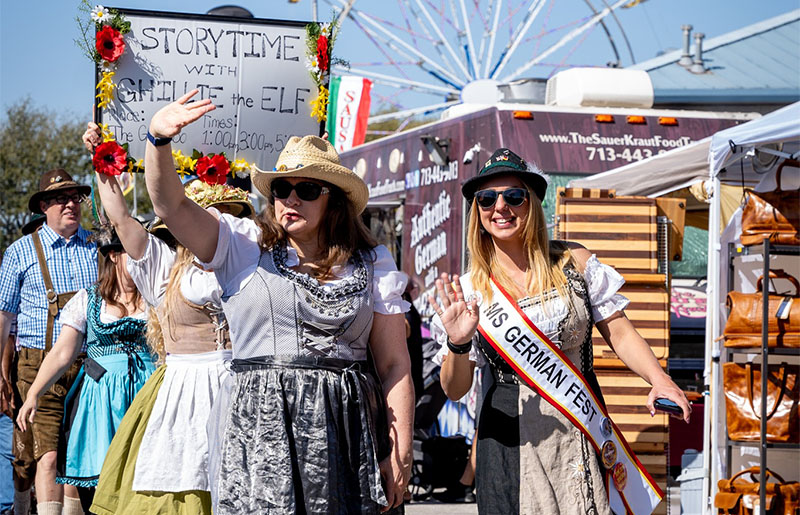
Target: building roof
756 64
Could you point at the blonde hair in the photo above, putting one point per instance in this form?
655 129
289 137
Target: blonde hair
155 334
546 258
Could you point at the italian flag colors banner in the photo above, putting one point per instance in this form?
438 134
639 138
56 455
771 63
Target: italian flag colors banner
348 111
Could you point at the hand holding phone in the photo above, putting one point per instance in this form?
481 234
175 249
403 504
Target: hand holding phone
667 406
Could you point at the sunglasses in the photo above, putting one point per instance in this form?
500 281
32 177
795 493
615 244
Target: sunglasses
64 199
514 197
305 190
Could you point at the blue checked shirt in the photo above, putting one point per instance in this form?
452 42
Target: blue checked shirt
72 265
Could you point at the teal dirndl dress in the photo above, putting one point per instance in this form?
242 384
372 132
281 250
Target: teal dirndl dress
117 365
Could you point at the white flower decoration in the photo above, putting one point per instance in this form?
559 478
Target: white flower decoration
324 28
578 469
100 14
108 66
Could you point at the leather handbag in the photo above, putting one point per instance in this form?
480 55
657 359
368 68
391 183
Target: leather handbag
772 214
742 387
736 496
743 327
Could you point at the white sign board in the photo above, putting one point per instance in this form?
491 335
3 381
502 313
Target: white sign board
253 71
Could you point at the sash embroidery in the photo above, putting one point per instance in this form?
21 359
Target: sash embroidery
546 369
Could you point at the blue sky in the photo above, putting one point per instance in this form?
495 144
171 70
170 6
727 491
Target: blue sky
38 57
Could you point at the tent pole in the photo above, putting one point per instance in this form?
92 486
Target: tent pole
711 372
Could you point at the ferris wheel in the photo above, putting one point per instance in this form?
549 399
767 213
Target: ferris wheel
424 56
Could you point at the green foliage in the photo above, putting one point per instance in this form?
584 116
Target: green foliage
33 141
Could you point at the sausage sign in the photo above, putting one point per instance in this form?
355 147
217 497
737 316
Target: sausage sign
253 71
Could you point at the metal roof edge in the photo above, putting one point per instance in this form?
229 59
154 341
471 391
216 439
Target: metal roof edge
724 39
726 96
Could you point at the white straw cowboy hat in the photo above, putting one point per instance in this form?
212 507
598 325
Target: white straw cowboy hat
314 158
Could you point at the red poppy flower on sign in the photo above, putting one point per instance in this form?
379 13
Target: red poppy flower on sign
323 60
212 169
109 43
110 158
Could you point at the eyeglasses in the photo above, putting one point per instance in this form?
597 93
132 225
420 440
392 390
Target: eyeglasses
306 190
514 197
64 199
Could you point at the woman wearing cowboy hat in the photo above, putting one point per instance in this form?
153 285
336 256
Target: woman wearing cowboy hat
548 464
158 462
318 415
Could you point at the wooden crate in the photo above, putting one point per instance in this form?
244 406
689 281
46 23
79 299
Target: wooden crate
585 193
622 232
649 312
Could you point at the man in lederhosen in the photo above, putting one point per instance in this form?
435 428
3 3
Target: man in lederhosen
39 273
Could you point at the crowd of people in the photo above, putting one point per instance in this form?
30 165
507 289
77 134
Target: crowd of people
227 361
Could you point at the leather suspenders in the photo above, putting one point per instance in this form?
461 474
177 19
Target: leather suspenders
55 301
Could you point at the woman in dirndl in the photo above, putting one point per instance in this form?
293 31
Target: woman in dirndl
110 317
158 462
317 416
530 457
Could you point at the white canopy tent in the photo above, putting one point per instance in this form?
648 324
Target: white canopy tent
727 148
722 164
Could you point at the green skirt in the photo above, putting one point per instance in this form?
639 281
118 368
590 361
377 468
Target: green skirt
114 495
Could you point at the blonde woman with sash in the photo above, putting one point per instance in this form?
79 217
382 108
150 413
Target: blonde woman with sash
158 461
526 308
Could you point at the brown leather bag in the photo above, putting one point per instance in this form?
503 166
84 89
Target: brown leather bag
772 214
742 386
739 497
743 328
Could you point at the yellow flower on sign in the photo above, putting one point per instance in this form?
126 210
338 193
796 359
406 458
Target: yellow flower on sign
184 165
105 90
319 106
107 134
241 168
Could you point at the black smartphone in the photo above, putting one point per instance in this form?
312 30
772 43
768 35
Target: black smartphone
668 406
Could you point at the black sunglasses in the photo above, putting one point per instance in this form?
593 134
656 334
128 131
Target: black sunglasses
514 197
306 190
64 199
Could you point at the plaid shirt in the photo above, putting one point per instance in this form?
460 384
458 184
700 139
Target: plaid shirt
72 265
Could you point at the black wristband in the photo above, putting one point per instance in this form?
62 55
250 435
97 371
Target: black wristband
459 349
157 142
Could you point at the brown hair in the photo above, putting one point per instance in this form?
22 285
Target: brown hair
341 234
109 288
546 258
155 335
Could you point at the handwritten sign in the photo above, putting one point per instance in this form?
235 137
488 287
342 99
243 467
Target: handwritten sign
252 70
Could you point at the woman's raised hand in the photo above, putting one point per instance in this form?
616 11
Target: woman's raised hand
460 318
170 119
92 137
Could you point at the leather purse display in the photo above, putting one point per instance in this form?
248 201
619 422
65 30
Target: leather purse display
743 327
772 214
742 388
737 496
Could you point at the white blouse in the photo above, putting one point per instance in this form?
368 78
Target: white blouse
150 273
602 284
74 312
236 259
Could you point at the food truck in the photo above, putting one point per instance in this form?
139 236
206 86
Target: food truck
414 177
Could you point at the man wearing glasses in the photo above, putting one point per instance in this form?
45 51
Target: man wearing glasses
39 273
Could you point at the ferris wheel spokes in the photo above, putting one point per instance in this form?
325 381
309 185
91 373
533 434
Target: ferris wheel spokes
488 56
470 50
533 11
399 83
443 40
389 38
425 110
594 20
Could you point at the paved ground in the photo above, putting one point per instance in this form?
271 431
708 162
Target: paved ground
437 508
